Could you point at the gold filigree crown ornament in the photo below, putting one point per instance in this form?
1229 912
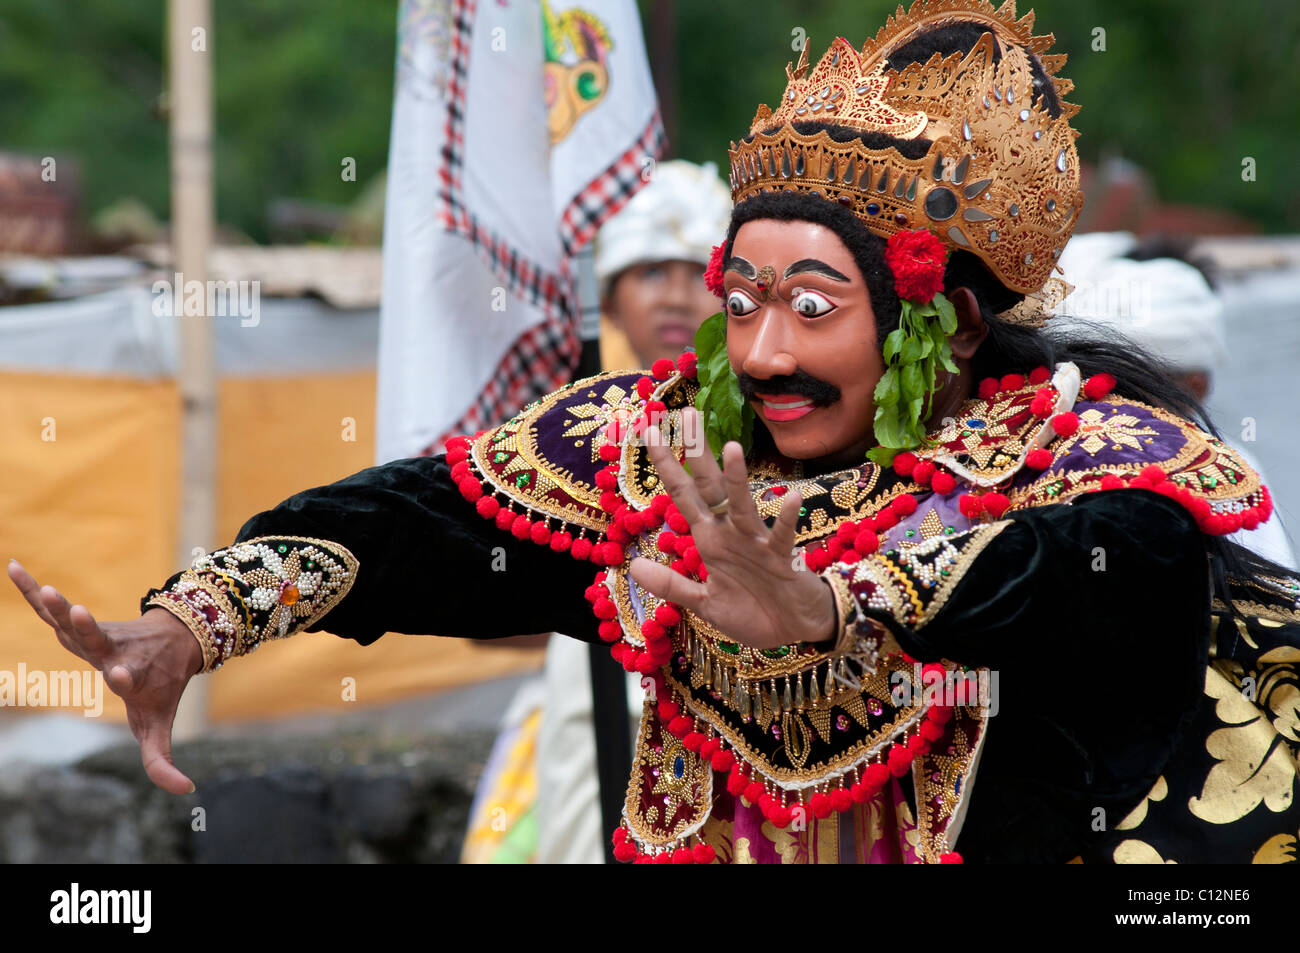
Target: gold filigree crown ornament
1001 176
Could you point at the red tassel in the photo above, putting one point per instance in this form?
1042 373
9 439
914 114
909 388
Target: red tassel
710 746
686 363
692 741
682 855
886 519
487 506
471 489
841 800
1011 382
736 782
681 726
923 472
668 615
995 504
723 760
1039 375
505 518
604 608
1153 472
754 792
970 506
540 534
1038 459
905 463
904 505
702 853
875 777
610 630
988 388
663 858
900 760
866 542
1065 424
1098 386
662 368
625 852
644 386
951 858
943 483
610 451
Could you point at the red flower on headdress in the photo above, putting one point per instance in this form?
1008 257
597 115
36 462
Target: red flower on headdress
713 273
917 261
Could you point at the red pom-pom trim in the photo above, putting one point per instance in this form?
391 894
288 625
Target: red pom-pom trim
1038 459
995 504
943 483
662 368
904 505
905 463
1065 424
1098 386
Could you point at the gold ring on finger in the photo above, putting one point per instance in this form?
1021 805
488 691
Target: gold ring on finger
717 509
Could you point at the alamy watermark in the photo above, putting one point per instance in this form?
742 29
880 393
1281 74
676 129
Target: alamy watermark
64 688
179 298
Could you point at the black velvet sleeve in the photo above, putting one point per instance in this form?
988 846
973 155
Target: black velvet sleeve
429 564
1094 617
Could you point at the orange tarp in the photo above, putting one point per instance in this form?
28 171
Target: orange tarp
89 492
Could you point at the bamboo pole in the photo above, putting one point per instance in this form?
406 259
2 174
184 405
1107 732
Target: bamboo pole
192 212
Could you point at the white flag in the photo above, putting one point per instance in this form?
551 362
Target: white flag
518 128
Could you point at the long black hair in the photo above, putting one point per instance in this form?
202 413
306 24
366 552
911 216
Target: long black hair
1008 348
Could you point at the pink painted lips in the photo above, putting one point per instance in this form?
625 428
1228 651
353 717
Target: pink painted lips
782 407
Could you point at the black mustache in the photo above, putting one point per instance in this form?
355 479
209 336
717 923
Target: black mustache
820 392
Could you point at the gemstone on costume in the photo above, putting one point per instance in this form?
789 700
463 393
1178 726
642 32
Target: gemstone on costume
941 204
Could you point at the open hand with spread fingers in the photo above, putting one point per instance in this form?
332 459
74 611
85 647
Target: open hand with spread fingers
752 592
147 661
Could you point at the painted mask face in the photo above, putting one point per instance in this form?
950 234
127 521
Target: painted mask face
801 336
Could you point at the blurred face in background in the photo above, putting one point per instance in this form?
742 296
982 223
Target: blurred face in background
659 305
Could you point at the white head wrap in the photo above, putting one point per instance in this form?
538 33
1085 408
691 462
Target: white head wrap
681 214
1163 305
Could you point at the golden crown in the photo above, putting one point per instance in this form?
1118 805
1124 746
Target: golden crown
1001 176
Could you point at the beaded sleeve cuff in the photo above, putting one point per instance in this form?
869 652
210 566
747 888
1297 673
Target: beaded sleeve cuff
909 584
265 588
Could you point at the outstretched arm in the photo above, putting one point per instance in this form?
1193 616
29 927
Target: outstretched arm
392 548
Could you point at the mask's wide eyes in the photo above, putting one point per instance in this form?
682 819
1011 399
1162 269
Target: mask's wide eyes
739 303
811 304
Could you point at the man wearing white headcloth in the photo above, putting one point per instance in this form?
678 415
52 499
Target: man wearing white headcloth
649 262
1167 307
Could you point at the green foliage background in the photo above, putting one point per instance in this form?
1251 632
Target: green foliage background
1185 88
